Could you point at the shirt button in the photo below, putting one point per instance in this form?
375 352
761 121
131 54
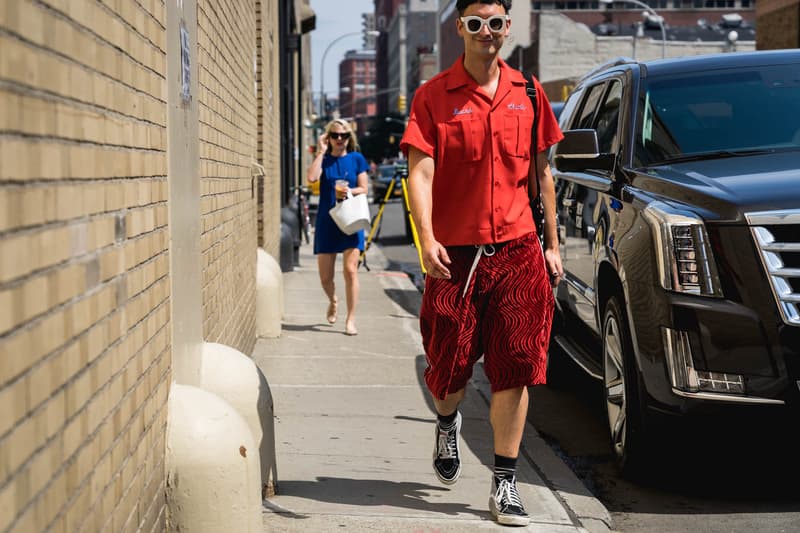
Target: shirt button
496 183
496 209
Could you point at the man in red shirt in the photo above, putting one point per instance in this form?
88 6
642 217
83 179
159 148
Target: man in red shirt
487 291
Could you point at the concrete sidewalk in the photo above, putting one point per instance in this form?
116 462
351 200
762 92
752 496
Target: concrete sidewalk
354 427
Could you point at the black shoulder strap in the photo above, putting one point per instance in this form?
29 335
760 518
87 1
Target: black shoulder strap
530 88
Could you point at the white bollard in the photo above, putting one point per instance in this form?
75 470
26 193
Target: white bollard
275 267
234 377
212 465
269 295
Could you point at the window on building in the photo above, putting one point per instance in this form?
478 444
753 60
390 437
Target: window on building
567 5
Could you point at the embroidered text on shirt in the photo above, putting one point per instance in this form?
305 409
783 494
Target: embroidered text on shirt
517 107
465 111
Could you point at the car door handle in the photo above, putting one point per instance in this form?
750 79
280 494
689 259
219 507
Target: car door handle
568 202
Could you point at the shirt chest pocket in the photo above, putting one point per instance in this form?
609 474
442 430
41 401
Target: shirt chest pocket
464 139
516 135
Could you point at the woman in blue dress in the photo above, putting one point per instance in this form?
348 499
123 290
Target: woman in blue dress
337 159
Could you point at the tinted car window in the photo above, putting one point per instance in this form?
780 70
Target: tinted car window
742 109
586 115
608 117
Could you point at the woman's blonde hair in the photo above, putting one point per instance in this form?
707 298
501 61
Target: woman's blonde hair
352 142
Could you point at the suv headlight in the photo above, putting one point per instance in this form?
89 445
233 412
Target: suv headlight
685 260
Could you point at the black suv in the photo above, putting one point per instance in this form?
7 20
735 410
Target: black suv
678 199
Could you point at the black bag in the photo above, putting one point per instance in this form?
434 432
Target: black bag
536 201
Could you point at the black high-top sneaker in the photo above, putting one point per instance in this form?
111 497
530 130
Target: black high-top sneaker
505 503
446 453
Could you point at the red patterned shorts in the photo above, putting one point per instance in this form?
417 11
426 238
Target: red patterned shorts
504 316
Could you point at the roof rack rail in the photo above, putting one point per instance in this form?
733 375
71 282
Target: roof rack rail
620 60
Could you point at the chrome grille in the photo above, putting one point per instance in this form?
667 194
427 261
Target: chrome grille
777 235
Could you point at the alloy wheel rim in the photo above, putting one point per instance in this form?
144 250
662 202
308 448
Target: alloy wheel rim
614 384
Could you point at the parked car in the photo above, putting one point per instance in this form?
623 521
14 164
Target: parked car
678 199
557 108
383 177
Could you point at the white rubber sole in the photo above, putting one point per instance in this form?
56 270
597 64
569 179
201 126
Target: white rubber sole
506 519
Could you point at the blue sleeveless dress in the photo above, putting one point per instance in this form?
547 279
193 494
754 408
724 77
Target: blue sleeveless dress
328 238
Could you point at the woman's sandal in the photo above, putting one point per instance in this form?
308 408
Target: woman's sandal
350 330
332 311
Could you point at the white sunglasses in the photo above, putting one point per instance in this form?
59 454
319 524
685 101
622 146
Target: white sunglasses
474 23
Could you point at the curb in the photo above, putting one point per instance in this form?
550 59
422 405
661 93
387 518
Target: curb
581 505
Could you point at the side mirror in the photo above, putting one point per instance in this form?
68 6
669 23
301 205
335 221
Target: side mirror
578 144
578 151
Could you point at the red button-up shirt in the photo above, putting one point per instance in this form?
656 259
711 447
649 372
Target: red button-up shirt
481 149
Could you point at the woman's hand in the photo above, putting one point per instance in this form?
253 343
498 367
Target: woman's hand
341 187
322 144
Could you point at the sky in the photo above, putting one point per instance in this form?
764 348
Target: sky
334 19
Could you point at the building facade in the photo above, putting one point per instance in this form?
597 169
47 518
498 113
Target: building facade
559 41
138 174
385 11
780 24
357 84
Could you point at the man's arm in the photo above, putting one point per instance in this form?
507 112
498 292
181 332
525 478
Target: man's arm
552 254
420 198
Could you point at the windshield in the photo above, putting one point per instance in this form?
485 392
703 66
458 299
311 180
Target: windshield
727 111
386 171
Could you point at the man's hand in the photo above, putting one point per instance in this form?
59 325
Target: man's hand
435 260
552 261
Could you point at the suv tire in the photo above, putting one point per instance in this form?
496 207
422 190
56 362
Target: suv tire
622 390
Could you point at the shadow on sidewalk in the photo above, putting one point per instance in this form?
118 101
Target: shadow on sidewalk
473 435
371 492
324 328
408 299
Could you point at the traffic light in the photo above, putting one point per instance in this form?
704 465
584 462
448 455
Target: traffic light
401 104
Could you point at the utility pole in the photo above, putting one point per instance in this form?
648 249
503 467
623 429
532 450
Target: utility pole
401 99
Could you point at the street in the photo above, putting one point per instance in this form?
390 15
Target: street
737 475
395 244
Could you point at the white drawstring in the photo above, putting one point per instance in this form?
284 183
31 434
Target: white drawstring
483 249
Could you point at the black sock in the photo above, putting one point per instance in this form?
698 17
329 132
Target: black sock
447 420
504 467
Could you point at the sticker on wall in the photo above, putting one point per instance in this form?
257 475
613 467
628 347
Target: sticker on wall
186 65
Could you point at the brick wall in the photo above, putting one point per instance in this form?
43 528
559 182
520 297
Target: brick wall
269 128
228 132
778 24
85 349
84 291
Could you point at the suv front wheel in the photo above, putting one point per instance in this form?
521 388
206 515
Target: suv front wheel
621 387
